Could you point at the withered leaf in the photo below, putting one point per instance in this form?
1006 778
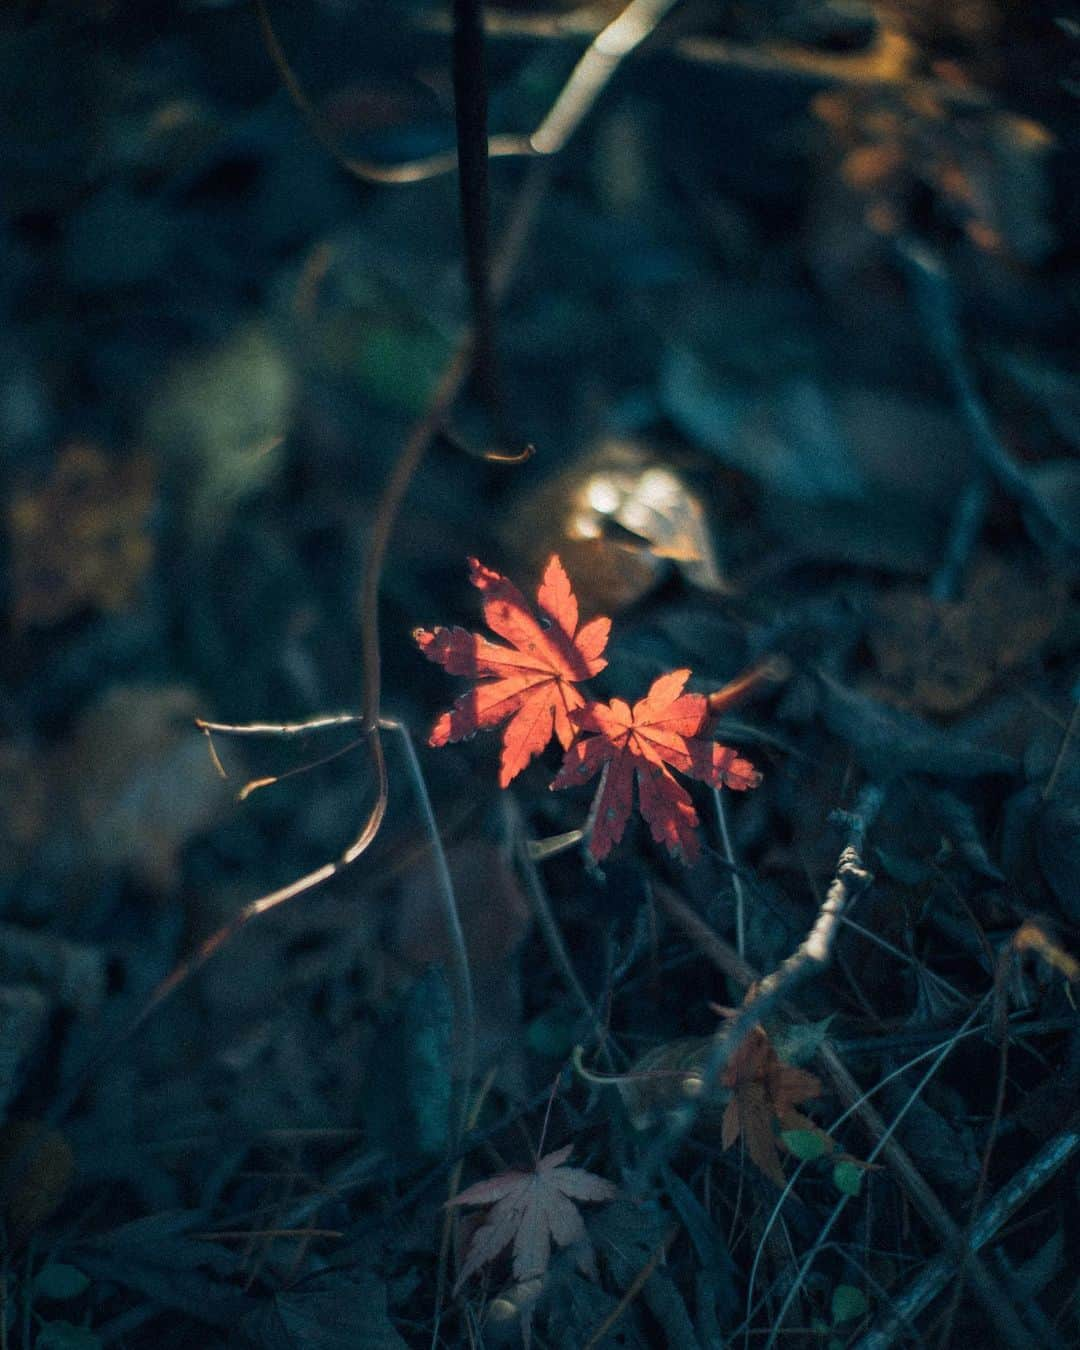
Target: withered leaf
82 540
764 1089
532 1210
889 742
941 655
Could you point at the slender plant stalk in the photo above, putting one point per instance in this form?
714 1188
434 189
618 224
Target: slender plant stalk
471 118
922 1196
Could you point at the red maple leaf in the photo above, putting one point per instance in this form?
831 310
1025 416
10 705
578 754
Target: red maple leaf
661 729
532 682
765 1089
532 1210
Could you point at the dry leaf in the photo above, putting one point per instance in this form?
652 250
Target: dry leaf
619 517
941 655
140 780
764 1089
532 1210
81 541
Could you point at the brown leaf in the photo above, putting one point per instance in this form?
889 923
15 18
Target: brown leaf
81 541
532 1210
620 518
941 655
764 1089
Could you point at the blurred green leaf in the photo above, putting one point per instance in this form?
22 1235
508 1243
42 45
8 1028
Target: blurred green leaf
847 1177
806 1145
59 1281
848 1303
553 1033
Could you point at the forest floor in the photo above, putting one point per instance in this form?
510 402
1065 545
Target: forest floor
714 1061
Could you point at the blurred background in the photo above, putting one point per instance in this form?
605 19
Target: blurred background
794 334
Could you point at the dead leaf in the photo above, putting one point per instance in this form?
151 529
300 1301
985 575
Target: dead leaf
81 541
140 780
620 517
942 655
335 1310
764 1089
532 1210
889 742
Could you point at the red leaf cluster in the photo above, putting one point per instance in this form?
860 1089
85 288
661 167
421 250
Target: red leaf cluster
531 686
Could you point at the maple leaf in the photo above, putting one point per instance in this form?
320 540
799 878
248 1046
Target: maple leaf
764 1089
532 1210
661 729
532 682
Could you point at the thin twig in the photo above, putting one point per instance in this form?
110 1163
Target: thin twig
636 1285
592 74
470 115
921 1195
811 957
280 728
891 61
937 306
367 170
936 1275
607 50
736 879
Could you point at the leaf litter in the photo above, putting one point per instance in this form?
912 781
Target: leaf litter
195 434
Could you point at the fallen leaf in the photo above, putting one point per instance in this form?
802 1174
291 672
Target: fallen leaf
661 729
139 780
764 1089
532 1210
532 682
621 518
335 1310
100 556
889 742
939 656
